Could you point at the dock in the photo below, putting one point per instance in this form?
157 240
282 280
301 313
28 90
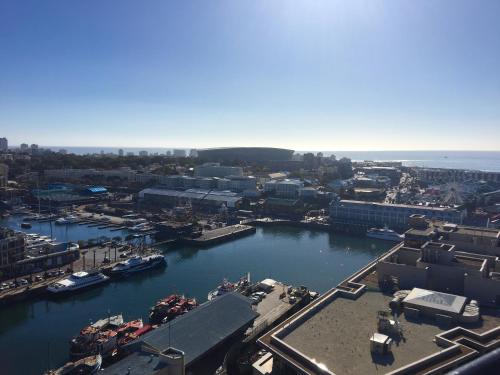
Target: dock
273 308
219 235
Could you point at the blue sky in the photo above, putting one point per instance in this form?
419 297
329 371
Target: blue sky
305 74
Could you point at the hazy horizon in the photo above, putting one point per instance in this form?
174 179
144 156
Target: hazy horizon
167 147
324 75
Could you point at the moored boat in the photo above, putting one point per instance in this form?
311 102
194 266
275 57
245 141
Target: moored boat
77 281
384 234
107 339
85 366
170 307
70 219
138 264
228 286
80 345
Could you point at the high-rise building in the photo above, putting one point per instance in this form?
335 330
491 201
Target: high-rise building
143 153
4 174
24 147
120 152
178 153
4 145
34 148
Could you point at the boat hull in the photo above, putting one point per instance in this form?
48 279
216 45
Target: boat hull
138 269
75 290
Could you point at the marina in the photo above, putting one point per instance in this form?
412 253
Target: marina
294 256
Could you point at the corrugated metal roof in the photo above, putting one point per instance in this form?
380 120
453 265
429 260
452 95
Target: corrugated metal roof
213 195
203 328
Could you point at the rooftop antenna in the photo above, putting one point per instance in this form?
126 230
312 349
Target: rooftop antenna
169 324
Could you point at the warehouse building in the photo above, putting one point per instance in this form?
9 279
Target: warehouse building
216 170
202 199
395 216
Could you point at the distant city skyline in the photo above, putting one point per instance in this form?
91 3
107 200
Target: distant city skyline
323 75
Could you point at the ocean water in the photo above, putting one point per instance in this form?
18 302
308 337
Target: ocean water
35 334
481 160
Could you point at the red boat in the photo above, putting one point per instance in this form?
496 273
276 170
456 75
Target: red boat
171 307
131 336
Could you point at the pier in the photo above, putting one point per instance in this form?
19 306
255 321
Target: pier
219 235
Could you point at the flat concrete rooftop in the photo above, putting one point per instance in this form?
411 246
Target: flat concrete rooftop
338 336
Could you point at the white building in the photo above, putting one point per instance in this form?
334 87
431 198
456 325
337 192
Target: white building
284 188
237 183
217 170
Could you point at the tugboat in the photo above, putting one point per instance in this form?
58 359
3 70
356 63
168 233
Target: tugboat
85 366
170 307
138 264
81 345
106 341
228 286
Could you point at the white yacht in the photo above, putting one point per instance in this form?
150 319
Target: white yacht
137 264
70 219
76 281
385 234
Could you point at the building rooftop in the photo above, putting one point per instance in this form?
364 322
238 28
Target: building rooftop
332 334
338 337
214 195
391 205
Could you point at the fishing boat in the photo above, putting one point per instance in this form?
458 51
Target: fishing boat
228 286
107 341
138 264
79 345
170 307
77 281
384 234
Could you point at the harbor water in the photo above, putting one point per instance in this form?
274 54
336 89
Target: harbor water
34 335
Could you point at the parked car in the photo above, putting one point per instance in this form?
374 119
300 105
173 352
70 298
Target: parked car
255 300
